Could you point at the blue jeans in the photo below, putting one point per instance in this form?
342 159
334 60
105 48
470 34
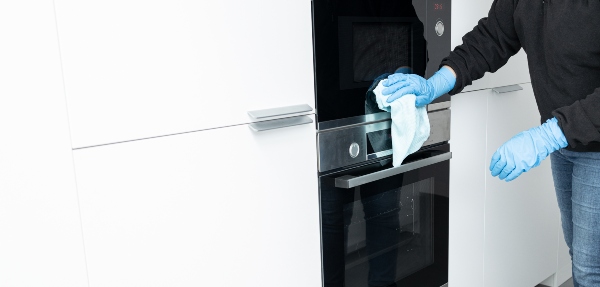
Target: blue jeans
577 183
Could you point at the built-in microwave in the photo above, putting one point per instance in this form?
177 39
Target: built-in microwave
359 40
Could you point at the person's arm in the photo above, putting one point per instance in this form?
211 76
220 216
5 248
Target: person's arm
526 150
487 47
580 121
451 70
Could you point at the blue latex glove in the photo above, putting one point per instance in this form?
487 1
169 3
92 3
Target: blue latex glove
527 150
400 84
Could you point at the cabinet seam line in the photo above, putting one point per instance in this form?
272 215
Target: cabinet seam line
485 191
71 141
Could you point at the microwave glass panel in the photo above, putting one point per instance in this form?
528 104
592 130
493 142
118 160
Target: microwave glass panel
380 48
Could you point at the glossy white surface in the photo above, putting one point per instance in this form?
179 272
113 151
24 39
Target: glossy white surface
501 234
224 207
465 16
521 217
40 229
467 188
136 69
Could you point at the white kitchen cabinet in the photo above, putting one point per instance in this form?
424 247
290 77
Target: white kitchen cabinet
137 69
501 234
521 216
41 242
223 207
465 16
467 189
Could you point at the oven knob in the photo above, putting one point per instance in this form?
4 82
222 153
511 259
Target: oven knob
354 150
439 28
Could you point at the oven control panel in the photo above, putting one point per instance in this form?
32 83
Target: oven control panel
438 29
347 145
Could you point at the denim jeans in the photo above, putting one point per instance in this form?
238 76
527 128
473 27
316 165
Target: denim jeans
577 183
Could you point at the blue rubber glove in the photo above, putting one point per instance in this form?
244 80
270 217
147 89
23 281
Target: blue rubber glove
399 84
527 150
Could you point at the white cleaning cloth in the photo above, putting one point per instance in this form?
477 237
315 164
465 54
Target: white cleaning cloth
410 125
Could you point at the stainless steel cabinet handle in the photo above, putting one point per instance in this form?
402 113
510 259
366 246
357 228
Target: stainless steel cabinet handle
259 114
280 123
349 181
507 89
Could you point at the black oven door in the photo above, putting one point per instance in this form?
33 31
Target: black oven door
359 41
385 226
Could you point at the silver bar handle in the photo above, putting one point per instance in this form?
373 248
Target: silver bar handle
507 89
281 111
349 181
280 123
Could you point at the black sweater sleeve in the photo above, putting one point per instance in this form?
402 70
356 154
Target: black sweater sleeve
487 47
580 122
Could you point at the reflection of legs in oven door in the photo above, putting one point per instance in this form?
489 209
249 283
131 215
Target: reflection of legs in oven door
383 227
334 241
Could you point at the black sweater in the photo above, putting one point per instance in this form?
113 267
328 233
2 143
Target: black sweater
562 42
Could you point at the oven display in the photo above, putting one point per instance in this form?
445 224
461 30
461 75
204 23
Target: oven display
438 6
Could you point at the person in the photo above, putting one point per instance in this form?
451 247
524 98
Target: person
563 52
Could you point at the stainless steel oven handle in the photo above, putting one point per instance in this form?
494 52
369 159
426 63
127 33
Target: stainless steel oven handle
280 123
349 181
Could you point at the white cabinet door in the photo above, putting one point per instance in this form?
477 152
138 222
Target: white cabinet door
40 228
467 188
465 16
521 217
224 207
136 69
565 266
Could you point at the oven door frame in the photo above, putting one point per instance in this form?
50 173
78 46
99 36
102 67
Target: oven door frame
429 163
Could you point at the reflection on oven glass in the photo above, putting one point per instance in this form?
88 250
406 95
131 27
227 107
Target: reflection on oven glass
380 48
388 235
379 141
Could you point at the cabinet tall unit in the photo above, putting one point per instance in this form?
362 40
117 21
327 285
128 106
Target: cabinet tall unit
178 184
501 234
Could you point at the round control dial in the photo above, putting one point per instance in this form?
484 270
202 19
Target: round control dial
439 28
354 150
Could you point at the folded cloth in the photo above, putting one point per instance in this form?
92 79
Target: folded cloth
410 125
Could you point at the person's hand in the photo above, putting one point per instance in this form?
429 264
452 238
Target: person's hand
527 150
399 84
377 80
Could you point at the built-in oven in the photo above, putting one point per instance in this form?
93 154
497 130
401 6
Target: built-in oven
380 225
383 225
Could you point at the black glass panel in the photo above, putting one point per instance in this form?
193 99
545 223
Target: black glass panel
380 48
379 141
391 232
355 41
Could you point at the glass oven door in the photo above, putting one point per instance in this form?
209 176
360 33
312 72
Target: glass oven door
385 226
